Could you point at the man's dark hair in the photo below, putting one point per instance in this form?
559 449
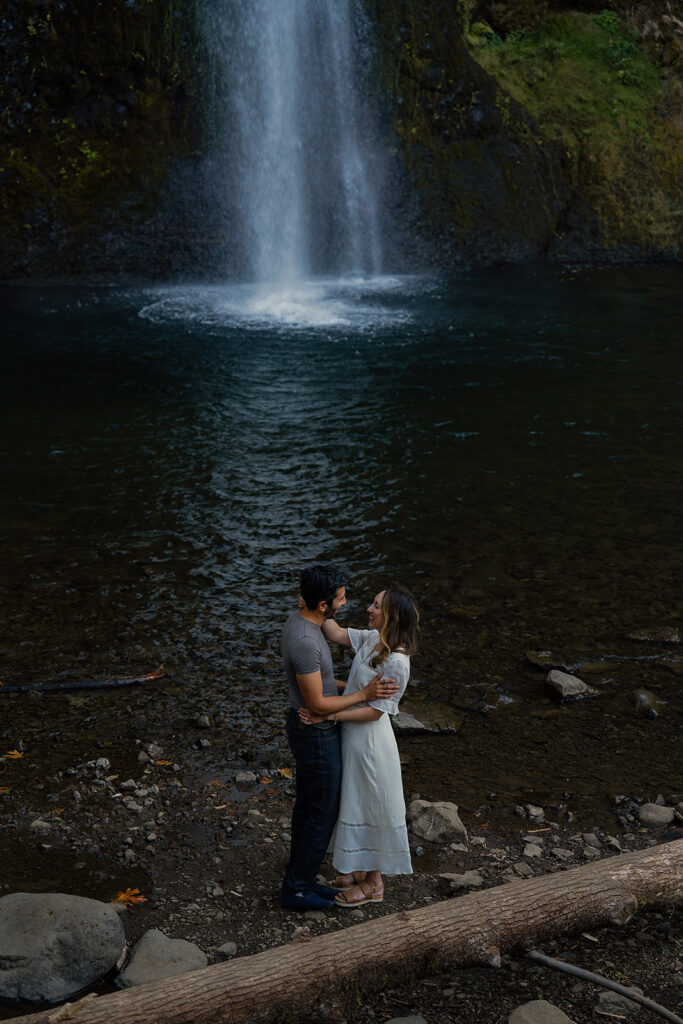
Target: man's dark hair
321 583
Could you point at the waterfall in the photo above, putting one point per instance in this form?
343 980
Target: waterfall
300 170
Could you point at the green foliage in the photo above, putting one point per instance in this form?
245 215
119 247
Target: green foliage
608 20
588 84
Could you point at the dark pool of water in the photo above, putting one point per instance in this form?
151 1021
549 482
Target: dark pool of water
508 445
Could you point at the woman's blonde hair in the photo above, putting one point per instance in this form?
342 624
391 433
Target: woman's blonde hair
399 627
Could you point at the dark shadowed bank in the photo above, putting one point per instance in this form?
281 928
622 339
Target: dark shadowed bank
513 131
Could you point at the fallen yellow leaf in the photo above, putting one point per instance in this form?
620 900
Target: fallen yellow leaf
220 807
13 754
162 762
285 772
264 779
129 897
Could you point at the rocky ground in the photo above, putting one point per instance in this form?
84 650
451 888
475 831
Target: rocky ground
208 856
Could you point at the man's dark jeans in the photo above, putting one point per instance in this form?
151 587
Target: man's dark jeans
317 753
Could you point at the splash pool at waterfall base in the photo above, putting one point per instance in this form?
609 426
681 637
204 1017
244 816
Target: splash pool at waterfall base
506 444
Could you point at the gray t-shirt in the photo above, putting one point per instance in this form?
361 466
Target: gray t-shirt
304 649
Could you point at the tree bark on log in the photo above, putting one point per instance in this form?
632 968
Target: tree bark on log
314 979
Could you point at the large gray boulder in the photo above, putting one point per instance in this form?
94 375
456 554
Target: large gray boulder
156 957
655 815
436 822
53 945
538 1011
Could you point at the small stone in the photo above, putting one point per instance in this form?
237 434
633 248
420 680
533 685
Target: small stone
40 826
436 822
532 850
245 777
129 784
228 949
315 915
357 913
618 1005
77 796
156 957
464 880
523 869
647 704
535 812
538 1011
414 1019
613 842
203 722
458 848
590 839
561 853
568 687
654 816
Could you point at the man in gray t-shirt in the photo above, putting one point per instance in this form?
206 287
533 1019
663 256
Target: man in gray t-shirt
316 748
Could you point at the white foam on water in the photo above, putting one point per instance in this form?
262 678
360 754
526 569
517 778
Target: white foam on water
352 302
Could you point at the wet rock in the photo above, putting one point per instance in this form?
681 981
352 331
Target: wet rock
532 850
40 826
522 869
538 1011
464 880
202 721
245 777
647 703
129 784
227 950
534 812
53 945
657 635
156 957
566 687
590 839
436 822
615 1005
655 816
545 660
427 717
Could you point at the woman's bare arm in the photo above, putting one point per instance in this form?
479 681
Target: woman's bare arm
350 715
335 633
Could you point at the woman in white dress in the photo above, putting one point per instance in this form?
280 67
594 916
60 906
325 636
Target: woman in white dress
370 836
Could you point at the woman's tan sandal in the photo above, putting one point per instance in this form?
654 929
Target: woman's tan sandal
371 894
342 883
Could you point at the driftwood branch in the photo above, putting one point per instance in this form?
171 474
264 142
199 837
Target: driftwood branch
301 979
83 684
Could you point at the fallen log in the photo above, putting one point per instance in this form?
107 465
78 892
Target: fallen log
83 684
319 978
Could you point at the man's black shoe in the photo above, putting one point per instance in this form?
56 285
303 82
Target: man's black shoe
306 899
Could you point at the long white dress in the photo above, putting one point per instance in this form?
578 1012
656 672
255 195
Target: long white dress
371 833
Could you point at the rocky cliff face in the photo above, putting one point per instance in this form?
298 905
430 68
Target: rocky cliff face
99 99
516 130
526 131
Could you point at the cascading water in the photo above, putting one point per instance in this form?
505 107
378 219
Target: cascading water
300 172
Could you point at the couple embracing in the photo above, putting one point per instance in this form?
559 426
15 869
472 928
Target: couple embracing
349 794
